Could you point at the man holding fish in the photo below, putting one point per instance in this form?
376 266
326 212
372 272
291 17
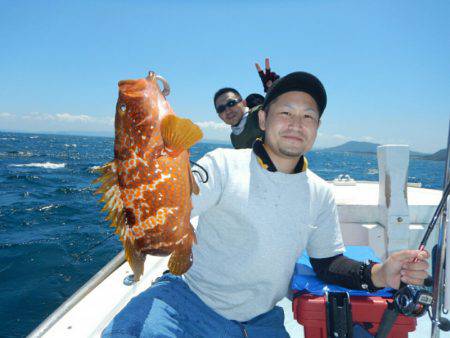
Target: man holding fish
258 211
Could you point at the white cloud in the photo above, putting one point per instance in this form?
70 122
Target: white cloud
67 122
213 125
369 139
6 115
215 130
66 117
60 117
340 137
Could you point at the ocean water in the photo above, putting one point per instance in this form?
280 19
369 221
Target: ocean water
52 235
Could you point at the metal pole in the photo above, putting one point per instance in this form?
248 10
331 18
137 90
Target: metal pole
438 275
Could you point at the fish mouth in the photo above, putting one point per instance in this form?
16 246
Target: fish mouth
132 86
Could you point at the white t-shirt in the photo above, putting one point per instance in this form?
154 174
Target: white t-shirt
253 226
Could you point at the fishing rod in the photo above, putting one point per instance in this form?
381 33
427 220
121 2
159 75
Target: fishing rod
413 300
402 298
437 321
435 217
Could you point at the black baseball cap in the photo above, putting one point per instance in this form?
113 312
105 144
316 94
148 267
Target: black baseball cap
301 82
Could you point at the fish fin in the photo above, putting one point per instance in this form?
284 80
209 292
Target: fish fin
181 259
104 168
111 198
134 258
179 134
194 186
108 177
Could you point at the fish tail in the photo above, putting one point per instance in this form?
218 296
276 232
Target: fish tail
179 134
135 258
181 259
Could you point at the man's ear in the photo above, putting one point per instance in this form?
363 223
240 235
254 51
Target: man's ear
262 119
244 102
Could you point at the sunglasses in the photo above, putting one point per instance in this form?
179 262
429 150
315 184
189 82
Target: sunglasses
220 109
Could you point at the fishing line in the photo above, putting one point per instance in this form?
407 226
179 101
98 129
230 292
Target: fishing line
80 255
199 174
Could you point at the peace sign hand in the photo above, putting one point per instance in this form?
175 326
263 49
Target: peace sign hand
268 77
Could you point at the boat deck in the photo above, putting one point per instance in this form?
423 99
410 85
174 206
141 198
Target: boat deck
93 313
366 193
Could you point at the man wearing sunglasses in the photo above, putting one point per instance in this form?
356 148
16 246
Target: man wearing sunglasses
233 110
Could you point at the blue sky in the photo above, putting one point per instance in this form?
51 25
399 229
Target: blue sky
385 64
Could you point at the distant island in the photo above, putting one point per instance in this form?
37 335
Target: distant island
437 156
371 148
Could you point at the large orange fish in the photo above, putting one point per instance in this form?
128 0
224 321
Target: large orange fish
148 185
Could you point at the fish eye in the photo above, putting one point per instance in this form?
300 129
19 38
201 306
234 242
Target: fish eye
123 107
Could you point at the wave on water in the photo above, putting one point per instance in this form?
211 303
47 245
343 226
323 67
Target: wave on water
70 190
372 171
47 207
43 208
46 165
17 153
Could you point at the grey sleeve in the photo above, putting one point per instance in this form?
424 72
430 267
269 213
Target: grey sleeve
325 240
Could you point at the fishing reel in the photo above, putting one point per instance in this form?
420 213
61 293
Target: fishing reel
413 300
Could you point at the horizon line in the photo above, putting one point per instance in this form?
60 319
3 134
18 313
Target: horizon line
224 142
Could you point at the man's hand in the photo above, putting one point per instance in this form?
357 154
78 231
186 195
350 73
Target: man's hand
268 77
407 266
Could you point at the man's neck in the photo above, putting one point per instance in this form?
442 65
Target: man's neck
246 110
239 127
284 164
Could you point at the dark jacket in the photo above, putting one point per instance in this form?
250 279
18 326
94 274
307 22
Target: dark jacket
251 131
